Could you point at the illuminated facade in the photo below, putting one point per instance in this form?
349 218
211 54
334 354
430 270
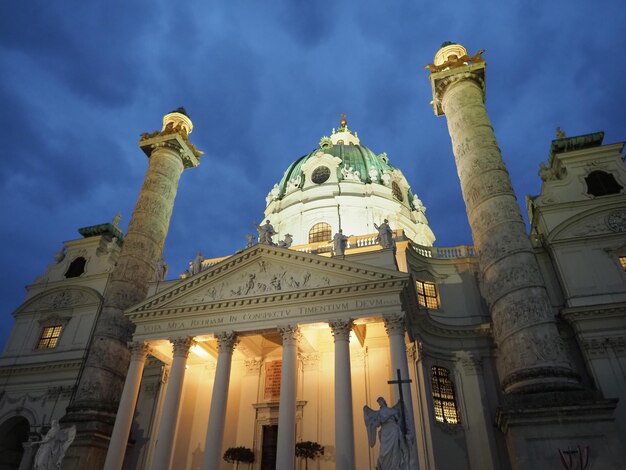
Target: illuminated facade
514 346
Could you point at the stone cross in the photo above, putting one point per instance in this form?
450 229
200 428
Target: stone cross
399 381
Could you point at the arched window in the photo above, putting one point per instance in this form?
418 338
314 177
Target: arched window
397 193
601 183
77 267
13 432
321 232
444 398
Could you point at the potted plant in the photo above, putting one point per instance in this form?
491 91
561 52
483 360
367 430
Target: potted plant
239 454
308 450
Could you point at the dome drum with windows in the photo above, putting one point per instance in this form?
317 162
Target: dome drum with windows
344 185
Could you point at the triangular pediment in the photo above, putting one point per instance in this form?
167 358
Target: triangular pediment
262 272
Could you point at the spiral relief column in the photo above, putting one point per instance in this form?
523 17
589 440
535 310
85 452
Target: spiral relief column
531 355
94 406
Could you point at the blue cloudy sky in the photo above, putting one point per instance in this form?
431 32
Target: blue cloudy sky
262 82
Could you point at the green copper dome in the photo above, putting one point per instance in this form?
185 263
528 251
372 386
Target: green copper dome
354 158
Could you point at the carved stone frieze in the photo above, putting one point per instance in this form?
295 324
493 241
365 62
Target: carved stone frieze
64 299
518 310
503 277
261 278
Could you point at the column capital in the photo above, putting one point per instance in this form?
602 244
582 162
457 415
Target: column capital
226 341
340 329
180 346
291 334
174 139
452 65
394 324
139 350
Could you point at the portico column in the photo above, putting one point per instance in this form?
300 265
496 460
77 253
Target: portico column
169 415
217 415
344 420
286 448
395 327
125 412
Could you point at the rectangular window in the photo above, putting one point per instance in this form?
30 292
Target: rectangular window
444 399
49 337
622 262
427 294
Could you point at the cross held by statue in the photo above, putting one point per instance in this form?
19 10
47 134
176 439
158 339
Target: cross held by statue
400 381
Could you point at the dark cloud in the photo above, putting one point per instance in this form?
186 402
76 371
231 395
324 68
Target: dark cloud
262 84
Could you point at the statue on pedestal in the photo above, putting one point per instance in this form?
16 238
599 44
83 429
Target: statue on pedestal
340 242
53 446
394 453
266 232
385 235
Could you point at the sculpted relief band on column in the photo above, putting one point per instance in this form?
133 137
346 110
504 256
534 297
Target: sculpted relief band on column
512 283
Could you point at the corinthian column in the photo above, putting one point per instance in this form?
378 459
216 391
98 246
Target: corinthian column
344 420
171 405
531 355
217 414
93 407
286 446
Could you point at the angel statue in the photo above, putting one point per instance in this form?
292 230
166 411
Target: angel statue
53 446
394 454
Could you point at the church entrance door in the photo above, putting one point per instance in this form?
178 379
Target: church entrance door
268 452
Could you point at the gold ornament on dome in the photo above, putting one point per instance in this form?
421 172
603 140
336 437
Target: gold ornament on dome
455 61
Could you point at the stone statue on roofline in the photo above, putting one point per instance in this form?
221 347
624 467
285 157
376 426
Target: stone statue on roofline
286 243
385 234
266 232
340 243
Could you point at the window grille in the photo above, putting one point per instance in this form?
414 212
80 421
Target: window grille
321 232
427 294
444 399
49 337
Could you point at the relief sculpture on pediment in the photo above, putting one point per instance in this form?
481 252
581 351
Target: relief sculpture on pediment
261 278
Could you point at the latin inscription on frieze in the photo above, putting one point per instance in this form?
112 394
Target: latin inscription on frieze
301 313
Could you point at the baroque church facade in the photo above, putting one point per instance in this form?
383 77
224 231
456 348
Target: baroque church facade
509 354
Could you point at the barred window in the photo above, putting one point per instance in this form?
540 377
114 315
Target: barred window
321 232
427 294
396 191
49 337
444 399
